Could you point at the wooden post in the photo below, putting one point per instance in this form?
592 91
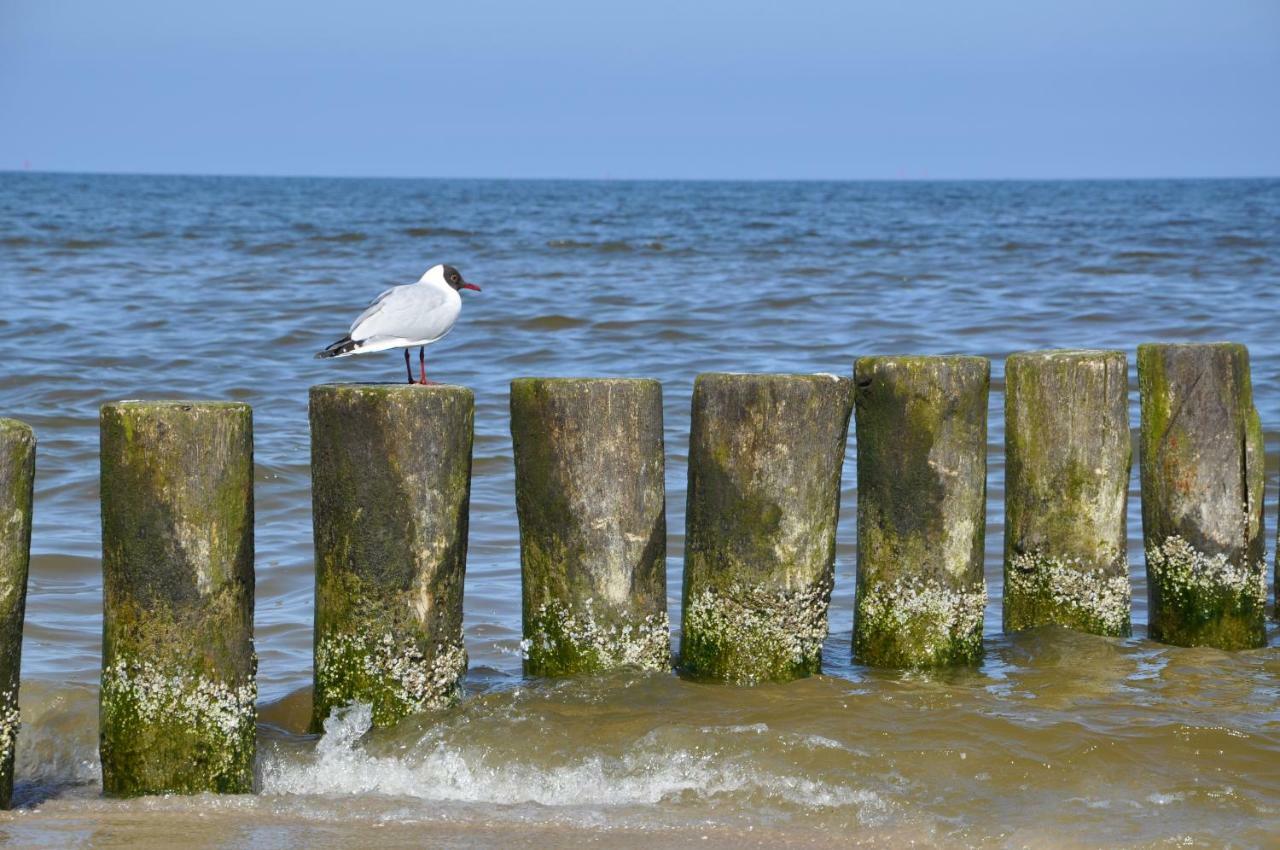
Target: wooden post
390 488
922 473
178 666
1067 452
1202 483
591 498
17 474
765 455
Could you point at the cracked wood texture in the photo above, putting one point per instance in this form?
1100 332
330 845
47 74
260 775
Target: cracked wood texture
591 500
1202 490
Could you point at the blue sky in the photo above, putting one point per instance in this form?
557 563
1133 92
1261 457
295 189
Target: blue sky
711 89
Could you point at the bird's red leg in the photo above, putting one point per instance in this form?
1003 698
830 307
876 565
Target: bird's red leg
422 364
407 368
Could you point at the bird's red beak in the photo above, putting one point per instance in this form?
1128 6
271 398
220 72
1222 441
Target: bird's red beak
470 286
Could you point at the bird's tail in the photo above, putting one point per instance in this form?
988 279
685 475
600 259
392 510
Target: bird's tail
341 348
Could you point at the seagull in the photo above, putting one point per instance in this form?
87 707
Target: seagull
404 316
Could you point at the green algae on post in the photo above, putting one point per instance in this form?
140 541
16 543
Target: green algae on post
177 704
922 479
1067 452
1202 489
17 475
591 499
391 489
765 456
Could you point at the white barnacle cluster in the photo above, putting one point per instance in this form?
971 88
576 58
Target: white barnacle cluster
9 725
415 681
1073 587
208 708
1188 576
935 616
645 644
763 623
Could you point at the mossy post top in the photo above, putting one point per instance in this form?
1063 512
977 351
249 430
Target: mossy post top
19 439
932 389
934 360
1155 359
765 378
571 382
174 404
1067 355
12 428
388 391
532 391
1222 345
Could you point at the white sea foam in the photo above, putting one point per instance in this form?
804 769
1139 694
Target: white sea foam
645 774
1160 799
757 728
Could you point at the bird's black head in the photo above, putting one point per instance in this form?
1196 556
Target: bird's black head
453 277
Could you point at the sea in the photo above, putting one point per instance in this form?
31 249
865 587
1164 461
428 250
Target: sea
116 286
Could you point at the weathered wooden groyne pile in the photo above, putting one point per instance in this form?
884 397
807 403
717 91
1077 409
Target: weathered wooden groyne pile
391 474
17 478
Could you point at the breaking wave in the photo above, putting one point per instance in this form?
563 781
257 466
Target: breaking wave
648 772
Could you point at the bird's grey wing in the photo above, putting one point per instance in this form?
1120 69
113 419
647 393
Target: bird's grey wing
401 312
375 307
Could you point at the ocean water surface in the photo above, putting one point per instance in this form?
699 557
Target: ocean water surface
125 287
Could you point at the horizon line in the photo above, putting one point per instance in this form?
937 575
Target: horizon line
611 179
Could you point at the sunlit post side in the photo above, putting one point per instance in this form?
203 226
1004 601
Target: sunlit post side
1067 456
765 457
178 667
17 475
591 498
922 471
391 490
1202 488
